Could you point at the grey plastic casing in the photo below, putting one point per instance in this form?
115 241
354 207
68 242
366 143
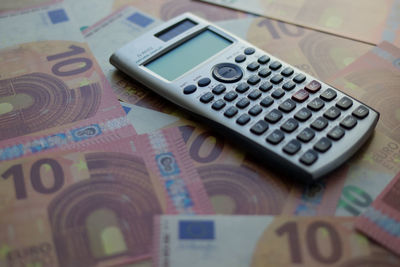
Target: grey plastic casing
132 57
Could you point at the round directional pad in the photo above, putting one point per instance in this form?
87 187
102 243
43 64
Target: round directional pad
227 72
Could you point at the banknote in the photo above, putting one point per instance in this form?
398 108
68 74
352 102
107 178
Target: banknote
8 6
381 221
95 207
264 241
366 21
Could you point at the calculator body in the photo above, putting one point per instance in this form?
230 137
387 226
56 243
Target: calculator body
208 71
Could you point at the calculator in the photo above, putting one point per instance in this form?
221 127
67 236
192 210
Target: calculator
287 118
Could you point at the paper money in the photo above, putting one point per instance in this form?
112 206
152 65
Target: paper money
13 6
367 21
264 241
95 207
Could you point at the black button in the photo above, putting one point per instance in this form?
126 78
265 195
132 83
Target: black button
275 137
254 94
219 89
259 128
207 97
292 147
189 89
361 112
240 58
227 72
219 104
276 79
328 95
299 78
344 103
267 101
249 50
263 59
204 82
319 124
306 135
242 103
243 119
289 85
242 87
273 116
349 122
254 111
264 73
278 93
275 65
230 112
332 113
253 66
266 86
336 133
316 104
323 144
287 105
303 114
290 125
287 72
253 80
230 96
309 157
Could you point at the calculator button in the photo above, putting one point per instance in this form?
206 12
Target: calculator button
303 114
292 147
249 50
240 58
300 96
319 124
207 97
287 72
278 93
290 125
253 66
242 87
323 144
189 89
344 103
254 111
349 122
361 112
227 72
219 104
267 101
309 157
243 119
289 85
287 105
316 104
328 95
254 94
259 128
230 112
306 135
242 103
275 137
263 59
313 86
204 82
336 133
253 80
299 78
273 116
264 73
266 86
332 113
275 65
276 79
230 96
219 89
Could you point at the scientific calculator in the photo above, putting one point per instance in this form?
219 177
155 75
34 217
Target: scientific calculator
287 118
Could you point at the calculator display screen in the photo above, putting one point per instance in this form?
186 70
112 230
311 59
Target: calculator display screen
188 55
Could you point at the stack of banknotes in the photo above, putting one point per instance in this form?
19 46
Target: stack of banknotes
96 170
